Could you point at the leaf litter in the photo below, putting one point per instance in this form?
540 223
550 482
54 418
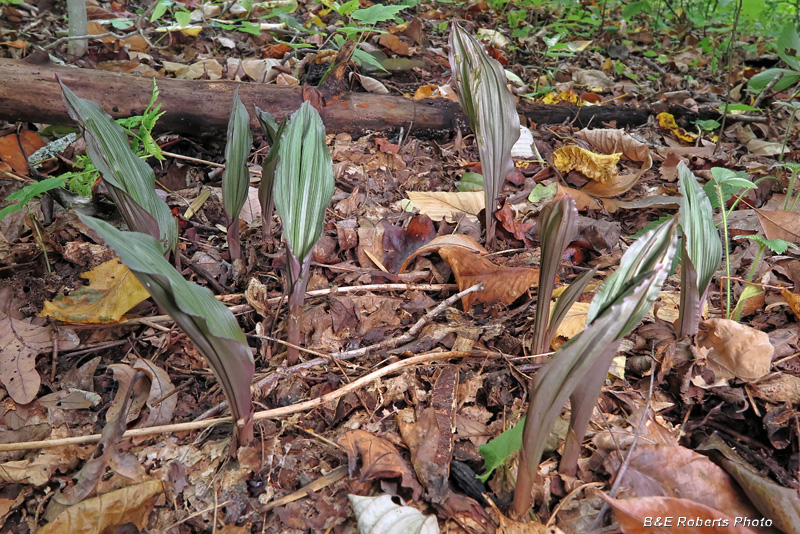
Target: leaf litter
399 436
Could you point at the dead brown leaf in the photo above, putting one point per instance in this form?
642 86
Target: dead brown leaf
675 471
453 240
445 205
379 459
583 201
20 342
15 149
103 513
502 285
735 350
668 515
780 224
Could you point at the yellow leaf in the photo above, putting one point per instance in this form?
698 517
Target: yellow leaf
112 291
598 167
793 300
573 324
666 120
440 205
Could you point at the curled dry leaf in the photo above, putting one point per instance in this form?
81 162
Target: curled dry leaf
454 240
502 285
379 459
583 201
112 291
443 205
598 167
735 350
613 141
105 512
256 296
20 342
633 516
380 515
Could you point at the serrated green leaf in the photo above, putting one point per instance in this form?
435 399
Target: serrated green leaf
130 180
21 197
303 180
208 323
778 246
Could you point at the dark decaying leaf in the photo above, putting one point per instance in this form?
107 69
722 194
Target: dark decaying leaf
379 459
130 180
207 322
430 437
399 243
491 111
777 503
236 178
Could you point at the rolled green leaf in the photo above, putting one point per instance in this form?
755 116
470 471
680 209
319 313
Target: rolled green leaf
273 133
130 180
577 370
236 178
303 180
558 224
701 251
491 111
206 321
643 256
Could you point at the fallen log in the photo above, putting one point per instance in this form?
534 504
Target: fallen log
29 92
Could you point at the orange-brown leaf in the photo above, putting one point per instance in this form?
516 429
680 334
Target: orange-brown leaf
502 285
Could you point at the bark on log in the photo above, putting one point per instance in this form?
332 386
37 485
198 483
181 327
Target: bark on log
30 93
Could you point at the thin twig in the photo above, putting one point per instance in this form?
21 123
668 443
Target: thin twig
349 355
767 88
258 416
76 37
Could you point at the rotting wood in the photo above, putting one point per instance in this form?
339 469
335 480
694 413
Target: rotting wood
29 93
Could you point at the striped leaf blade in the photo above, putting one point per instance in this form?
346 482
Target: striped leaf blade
206 321
303 180
130 180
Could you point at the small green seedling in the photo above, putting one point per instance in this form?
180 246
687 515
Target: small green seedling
778 246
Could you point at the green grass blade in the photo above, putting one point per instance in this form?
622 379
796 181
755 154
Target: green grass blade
131 181
207 322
